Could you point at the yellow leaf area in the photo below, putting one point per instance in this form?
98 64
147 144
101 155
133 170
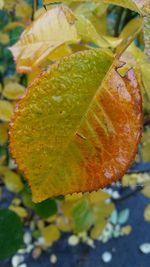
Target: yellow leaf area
6 110
147 213
69 134
52 29
4 38
135 179
11 179
20 7
13 90
146 145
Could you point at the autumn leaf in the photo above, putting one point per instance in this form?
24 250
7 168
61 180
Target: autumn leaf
52 29
88 134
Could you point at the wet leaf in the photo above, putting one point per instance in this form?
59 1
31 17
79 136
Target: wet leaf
66 110
13 90
52 29
6 110
11 233
51 234
147 213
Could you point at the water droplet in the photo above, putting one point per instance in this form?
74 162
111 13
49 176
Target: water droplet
57 99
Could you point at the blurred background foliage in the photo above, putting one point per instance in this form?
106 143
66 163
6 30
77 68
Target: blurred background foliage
86 217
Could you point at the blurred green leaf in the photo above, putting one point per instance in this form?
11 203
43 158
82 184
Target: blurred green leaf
46 208
82 216
11 233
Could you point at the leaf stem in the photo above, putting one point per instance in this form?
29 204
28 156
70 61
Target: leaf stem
34 7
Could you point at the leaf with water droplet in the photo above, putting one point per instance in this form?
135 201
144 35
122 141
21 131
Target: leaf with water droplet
85 140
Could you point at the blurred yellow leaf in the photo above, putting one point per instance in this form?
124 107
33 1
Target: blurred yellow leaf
23 9
142 7
3 133
147 213
88 33
134 179
63 223
52 29
13 90
12 25
13 181
51 234
129 180
131 27
146 30
146 190
97 197
61 51
1 4
126 230
4 38
20 211
6 110
102 211
146 145
16 201
98 229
